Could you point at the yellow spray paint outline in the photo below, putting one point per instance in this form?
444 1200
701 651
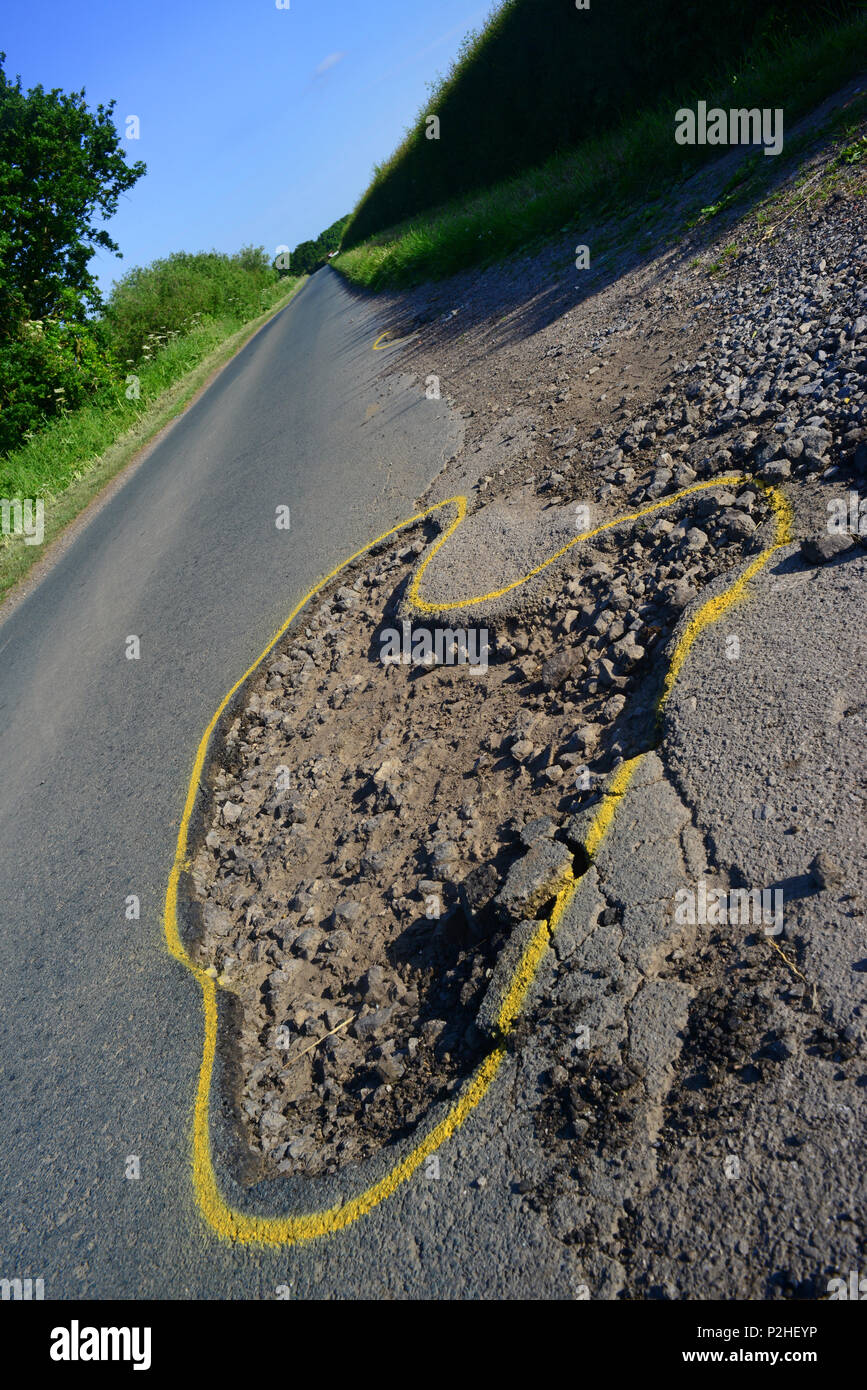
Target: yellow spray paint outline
392 341
380 346
247 1229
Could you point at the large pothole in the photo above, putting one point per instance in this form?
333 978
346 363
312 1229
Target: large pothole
361 818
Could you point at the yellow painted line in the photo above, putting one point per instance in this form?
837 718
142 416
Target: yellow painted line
247 1229
532 957
418 602
714 609
379 345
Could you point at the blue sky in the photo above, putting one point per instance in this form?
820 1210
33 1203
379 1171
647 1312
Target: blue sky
258 124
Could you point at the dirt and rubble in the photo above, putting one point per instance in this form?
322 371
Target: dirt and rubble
355 874
375 832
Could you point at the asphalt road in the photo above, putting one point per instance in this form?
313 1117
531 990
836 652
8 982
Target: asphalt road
101 1029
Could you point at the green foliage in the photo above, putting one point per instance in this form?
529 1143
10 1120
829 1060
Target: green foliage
152 303
64 450
614 172
544 77
159 318
854 153
308 256
48 367
61 171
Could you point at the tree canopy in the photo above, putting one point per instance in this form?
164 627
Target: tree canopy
62 171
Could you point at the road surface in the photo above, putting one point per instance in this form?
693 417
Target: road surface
102 1031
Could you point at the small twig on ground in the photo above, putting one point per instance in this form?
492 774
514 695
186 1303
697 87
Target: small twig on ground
330 1034
789 963
799 204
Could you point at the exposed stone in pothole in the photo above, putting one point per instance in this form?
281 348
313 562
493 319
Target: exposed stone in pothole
377 837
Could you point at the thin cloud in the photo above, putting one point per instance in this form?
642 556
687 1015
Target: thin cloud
330 62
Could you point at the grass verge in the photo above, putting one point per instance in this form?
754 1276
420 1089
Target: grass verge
70 462
605 175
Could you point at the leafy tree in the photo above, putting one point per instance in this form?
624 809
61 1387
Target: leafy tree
305 258
61 171
308 256
254 259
